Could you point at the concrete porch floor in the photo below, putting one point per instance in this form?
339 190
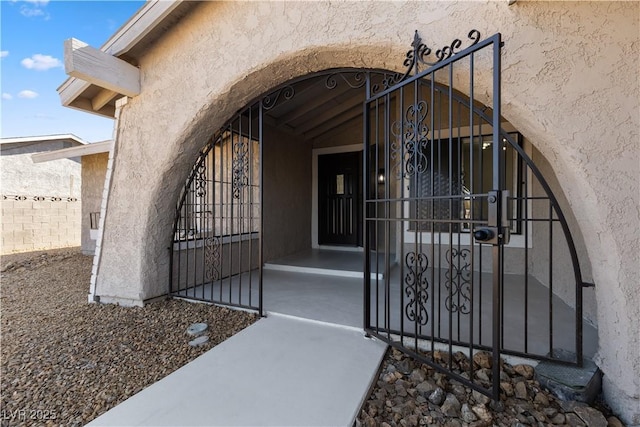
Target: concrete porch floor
339 300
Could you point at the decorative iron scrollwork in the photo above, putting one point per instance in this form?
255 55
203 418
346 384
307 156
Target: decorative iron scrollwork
240 166
411 141
452 49
212 257
354 80
458 281
282 94
419 52
417 287
200 182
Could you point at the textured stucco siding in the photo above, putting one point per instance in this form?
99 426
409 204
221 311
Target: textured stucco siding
94 170
569 84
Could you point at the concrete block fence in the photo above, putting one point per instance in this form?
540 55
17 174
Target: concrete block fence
31 223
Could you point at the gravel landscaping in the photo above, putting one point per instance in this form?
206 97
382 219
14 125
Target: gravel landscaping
65 362
410 394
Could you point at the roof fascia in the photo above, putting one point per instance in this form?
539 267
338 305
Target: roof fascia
67 153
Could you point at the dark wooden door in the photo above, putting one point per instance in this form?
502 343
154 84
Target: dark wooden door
340 201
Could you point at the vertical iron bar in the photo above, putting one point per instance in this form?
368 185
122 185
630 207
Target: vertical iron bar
387 231
550 279
261 221
374 223
432 229
471 214
526 260
224 142
498 182
366 133
416 178
403 225
250 207
450 185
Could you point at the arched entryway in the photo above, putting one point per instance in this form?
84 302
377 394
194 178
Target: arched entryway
459 236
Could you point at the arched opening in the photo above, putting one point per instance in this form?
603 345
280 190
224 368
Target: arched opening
428 196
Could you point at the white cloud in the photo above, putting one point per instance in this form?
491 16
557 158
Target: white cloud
4 53
33 8
41 62
29 94
6 96
30 12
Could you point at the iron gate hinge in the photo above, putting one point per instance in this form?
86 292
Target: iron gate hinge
588 285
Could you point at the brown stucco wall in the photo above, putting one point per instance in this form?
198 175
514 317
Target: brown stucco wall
287 195
94 170
569 84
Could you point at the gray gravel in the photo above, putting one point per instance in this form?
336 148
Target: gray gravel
65 362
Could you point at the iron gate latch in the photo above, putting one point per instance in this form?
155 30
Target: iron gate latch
497 231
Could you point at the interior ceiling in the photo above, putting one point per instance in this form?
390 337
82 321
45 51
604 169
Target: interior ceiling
315 110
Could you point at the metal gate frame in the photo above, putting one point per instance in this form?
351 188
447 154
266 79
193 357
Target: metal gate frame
492 229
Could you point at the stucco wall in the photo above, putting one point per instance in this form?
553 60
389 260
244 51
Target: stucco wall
287 195
40 202
94 169
569 84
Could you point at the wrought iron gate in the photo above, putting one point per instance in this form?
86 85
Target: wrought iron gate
217 235
459 220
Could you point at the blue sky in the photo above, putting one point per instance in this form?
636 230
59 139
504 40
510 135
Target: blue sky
31 43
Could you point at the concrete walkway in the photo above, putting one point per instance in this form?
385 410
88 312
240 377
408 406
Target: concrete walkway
281 371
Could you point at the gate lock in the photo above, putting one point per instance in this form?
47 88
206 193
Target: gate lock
497 231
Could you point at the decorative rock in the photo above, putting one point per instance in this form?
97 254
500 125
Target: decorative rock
201 340
521 390
558 419
467 414
591 416
549 412
483 413
389 378
453 423
525 370
483 375
507 388
425 388
197 329
573 420
400 389
451 406
541 399
412 421
404 367
437 396
614 422
480 398
417 376
483 359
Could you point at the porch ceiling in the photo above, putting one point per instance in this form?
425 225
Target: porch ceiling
315 110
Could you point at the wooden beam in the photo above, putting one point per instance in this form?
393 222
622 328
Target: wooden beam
99 68
102 98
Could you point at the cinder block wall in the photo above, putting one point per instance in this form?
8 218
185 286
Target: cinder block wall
41 203
29 225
